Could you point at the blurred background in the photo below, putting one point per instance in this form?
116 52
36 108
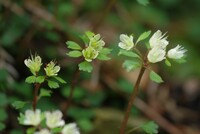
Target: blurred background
100 98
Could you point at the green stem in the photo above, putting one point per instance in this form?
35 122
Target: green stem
130 103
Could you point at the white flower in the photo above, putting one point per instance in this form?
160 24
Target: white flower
34 63
70 129
126 42
43 131
32 117
96 42
158 40
51 69
90 53
54 119
176 53
156 54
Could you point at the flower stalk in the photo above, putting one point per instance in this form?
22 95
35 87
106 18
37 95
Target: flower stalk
35 99
130 103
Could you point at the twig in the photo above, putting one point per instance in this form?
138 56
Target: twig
133 95
35 99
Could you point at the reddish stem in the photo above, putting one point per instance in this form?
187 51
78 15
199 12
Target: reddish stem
35 99
130 103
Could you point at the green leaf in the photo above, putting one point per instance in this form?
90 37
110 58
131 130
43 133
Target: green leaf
128 53
56 130
21 118
155 77
167 62
60 80
85 66
3 114
105 51
40 79
131 65
89 34
53 84
19 104
150 128
73 45
2 126
85 39
74 53
180 61
4 100
143 36
103 57
45 93
85 124
30 130
143 2
30 79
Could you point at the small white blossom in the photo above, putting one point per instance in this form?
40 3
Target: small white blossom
158 40
43 131
54 119
70 129
90 53
34 63
176 53
126 42
51 69
156 55
32 117
96 42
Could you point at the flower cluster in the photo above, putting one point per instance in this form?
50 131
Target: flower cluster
35 62
93 49
158 43
95 46
52 120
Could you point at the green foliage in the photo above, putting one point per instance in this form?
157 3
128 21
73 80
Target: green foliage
2 126
103 54
74 54
143 36
21 118
4 100
143 2
155 77
73 45
150 128
130 65
19 104
60 80
128 53
30 130
31 79
45 93
85 124
53 84
85 66
167 62
40 79
3 114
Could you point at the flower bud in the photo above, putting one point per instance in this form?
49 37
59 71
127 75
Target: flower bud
70 129
33 63
51 69
43 131
90 53
54 119
126 42
176 53
96 42
32 117
156 55
158 40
